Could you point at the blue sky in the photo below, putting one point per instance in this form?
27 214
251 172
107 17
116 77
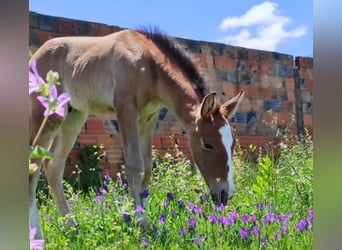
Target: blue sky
276 25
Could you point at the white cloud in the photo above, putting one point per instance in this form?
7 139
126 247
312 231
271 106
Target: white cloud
261 27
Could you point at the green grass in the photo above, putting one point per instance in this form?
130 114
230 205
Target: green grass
273 195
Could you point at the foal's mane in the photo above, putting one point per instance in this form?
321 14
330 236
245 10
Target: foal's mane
183 58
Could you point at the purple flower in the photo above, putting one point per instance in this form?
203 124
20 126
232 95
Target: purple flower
263 240
212 218
35 81
276 236
253 218
144 193
173 213
98 198
268 218
199 239
203 197
161 219
288 215
180 203
283 227
191 222
126 217
225 221
139 209
182 231
243 233
197 210
255 230
54 104
102 191
260 206
244 218
144 241
219 208
301 225
35 244
269 207
190 207
164 203
169 196
233 215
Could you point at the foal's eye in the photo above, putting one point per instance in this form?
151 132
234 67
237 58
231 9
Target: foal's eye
207 146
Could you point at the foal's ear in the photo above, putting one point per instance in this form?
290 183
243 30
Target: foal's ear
208 104
229 107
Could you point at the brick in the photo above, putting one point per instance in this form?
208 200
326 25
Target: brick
85 139
245 104
94 126
47 23
67 26
201 59
285 118
106 140
276 82
289 83
264 80
291 96
223 62
264 67
84 28
33 20
228 89
308 84
306 96
307 119
257 104
101 29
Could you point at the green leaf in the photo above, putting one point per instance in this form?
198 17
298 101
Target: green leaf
38 152
29 54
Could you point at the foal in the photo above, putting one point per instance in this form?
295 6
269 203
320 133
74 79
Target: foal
132 74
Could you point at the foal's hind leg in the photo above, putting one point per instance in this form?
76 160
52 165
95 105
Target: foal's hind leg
63 144
127 115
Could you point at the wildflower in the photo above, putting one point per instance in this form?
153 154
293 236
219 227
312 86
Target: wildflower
276 236
260 206
161 219
225 221
54 104
139 209
263 240
199 239
35 244
173 213
243 233
212 218
233 215
169 196
244 218
191 222
253 218
301 225
98 198
144 241
268 218
182 231
102 191
197 210
255 230
288 215
126 217
35 81
180 203
144 193
219 208
269 207
203 197
190 207
164 203
283 227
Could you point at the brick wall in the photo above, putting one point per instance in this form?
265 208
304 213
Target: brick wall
278 91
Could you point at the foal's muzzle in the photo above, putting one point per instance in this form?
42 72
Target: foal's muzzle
221 198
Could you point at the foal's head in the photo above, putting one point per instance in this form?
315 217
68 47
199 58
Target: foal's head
212 144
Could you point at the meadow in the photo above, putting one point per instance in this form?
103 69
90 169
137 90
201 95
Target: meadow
271 209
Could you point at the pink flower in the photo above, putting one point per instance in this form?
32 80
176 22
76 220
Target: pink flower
35 81
54 104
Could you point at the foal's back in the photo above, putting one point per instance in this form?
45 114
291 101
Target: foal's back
96 70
